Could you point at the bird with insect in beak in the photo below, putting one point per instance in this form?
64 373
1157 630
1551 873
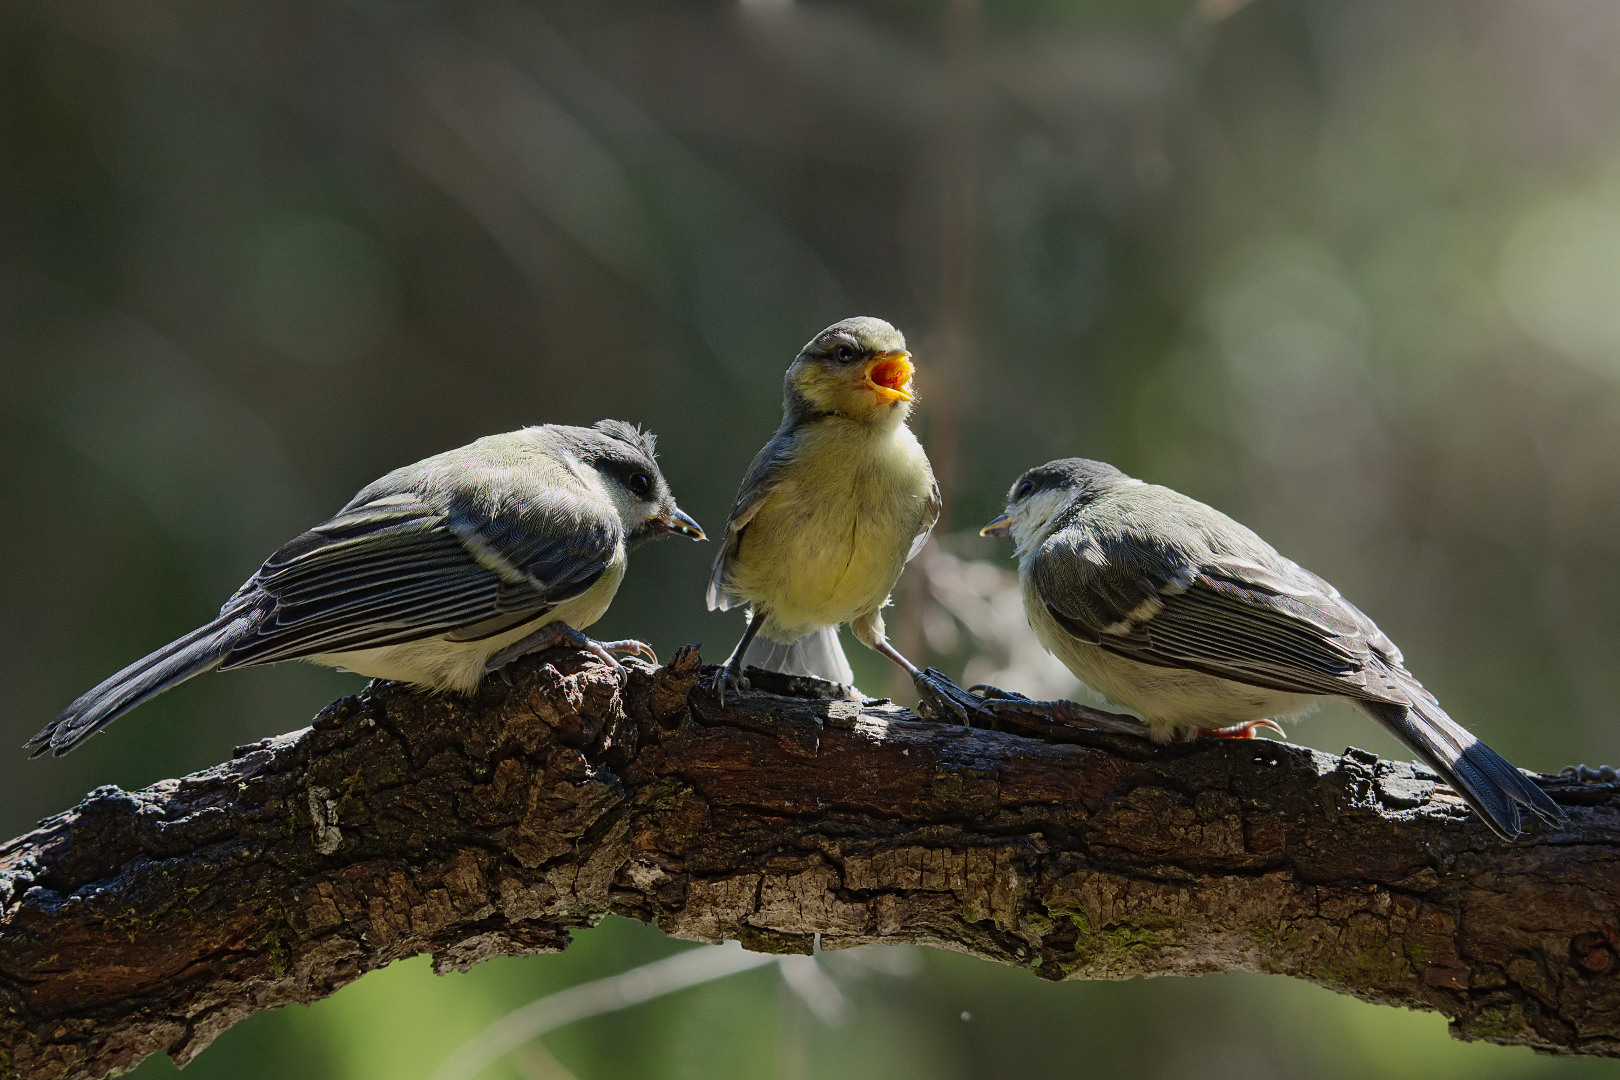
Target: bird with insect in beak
1171 608
829 514
436 574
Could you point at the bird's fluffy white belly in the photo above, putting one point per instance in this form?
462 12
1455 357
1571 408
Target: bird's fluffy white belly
1173 701
460 665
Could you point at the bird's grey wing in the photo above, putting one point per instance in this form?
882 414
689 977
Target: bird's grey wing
1273 625
1376 638
398 568
763 475
931 511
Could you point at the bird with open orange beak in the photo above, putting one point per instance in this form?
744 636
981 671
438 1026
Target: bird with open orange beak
829 514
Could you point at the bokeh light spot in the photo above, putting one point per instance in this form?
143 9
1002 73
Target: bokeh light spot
1560 278
1284 318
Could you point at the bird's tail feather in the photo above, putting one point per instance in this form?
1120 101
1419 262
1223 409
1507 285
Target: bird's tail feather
818 654
1496 790
201 650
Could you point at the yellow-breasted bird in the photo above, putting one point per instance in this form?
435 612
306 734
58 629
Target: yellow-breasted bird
435 574
830 512
1170 607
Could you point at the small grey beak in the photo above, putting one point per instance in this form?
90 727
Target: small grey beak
677 521
1000 525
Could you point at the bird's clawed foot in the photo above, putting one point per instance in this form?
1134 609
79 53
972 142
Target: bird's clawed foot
1249 730
1041 717
729 679
626 647
561 635
941 700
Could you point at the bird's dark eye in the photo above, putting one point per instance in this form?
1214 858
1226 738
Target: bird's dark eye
640 485
845 353
1024 489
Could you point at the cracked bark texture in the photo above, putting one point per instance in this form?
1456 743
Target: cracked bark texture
403 822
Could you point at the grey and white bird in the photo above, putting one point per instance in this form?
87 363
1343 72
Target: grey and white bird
830 512
435 575
1169 607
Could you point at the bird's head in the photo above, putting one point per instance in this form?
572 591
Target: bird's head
622 456
858 368
1041 499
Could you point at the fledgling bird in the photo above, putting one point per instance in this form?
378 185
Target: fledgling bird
830 512
436 574
1170 607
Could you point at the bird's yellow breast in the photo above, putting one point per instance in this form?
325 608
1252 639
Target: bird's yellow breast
830 539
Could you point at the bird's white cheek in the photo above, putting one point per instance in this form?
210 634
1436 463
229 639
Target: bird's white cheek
1034 519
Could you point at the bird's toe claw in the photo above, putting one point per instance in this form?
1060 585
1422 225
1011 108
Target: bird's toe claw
729 680
1005 706
629 646
941 700
603 652
1247 730
560 635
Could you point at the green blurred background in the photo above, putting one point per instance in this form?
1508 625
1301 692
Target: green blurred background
1348 270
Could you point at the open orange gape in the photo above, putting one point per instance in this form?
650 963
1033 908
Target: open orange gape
889 375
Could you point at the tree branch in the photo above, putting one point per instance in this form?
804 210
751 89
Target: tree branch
404 822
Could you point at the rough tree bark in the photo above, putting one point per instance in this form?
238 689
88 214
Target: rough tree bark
150 921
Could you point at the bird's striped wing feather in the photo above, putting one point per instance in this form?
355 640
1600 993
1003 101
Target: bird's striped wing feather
398 569
1278 626
763 476
931 511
